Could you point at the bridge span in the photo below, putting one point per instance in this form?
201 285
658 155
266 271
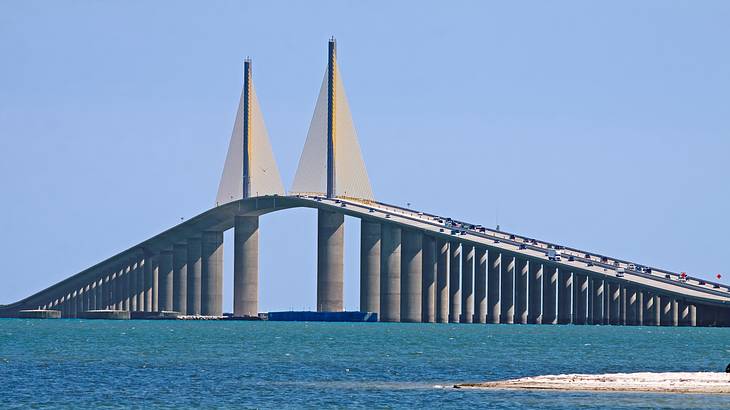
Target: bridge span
414 266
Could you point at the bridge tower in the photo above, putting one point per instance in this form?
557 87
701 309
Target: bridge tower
250 171
331 166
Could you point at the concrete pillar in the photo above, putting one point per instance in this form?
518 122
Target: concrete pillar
675 312
467 284
133 285
127 291
507 292
180 278
535 293
246 266
667 304
428 313
632 302
165 281
194 266
580 299
117 289
156 283
411 275
599 299
95 295
480 286
455 282
104 292
390 272
330 261
494 305
565 296
369 266
550 294
615 303
649 307
522 272
149 267
693 315
657 310
640 307
442 281
211 284
142 281
85 298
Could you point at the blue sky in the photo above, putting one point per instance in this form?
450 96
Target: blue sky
604 126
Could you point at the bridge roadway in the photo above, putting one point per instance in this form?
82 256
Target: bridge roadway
584 294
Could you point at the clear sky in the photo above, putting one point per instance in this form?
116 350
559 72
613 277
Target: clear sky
604 126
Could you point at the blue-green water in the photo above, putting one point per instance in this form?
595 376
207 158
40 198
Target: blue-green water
181 364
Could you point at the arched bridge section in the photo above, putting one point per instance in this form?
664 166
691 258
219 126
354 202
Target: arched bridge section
415 267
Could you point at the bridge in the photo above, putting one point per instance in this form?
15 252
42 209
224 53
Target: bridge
414 266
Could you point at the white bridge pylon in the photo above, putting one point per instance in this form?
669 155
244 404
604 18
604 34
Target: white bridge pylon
350 175
261 170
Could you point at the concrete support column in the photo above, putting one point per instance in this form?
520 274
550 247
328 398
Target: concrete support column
133 285
246 266
480 286
194 266
91 296
494 306
156 283
693 315
455 282
565 296
142 280
522 272
411 276
648 309
165 281
442 281
580 299
598 305
615 303
657 310
370 266
149 267
550 294
211 284
667 305
632 302
467 283
180 278
127 291
104 292
428 309
675 312
85 298
390 272
640 307
115 284
507 291
535 293
330 261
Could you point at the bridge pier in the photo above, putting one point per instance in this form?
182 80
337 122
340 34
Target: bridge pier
390 273
534 313
180 278
455 282
614 290
597 306
211 289
147 290
580 299
246 266
521 289
411 276
507 291
467 284
649 307
442 281
493 286
131 293
480 285
667 311
330 261
565 296
429 280
194 266
632 301
370 266
550 294
165 281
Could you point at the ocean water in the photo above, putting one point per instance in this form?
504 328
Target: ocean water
216 364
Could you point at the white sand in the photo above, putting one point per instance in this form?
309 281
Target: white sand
698 382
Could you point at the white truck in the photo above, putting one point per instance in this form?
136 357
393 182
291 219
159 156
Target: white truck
620 272
553 255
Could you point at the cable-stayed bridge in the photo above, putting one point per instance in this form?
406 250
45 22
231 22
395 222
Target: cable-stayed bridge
414 266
